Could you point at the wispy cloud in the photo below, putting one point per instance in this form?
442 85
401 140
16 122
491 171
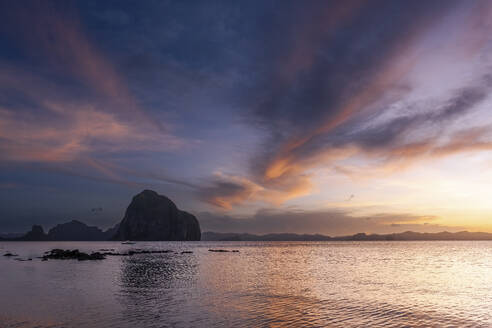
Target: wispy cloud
73 131
81 106
225 191
359 95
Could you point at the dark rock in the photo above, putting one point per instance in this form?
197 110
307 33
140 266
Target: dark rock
111 232
36 234
60 254
114 254
10 254
160 252
76 230
136 252
73 230
151 216
186 252
223 250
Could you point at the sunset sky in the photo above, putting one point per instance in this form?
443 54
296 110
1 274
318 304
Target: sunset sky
256 116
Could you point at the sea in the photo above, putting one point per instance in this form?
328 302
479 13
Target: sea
265 284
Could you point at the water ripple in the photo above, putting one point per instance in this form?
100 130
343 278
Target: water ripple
400 284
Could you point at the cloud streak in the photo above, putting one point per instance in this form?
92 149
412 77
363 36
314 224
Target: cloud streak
355 96
77 105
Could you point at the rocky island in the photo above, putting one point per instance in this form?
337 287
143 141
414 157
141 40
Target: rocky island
151 216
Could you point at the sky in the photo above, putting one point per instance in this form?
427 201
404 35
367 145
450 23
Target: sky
332 117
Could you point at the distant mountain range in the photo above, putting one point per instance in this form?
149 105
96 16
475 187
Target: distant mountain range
218 236
70 231
79 231
408 235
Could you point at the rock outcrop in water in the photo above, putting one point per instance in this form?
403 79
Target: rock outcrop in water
60 254
75 230
36 234
70 231
9 254
151 216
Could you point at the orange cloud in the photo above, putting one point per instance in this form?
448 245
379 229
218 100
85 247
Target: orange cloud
470 140
291 181
78 131
225 191
290 160
403 156
62 126
399 62
472 38
58 34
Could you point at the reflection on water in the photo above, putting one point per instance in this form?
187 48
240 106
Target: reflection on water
344 284
151 272
152 287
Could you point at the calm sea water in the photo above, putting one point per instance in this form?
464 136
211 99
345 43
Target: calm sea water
266 284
